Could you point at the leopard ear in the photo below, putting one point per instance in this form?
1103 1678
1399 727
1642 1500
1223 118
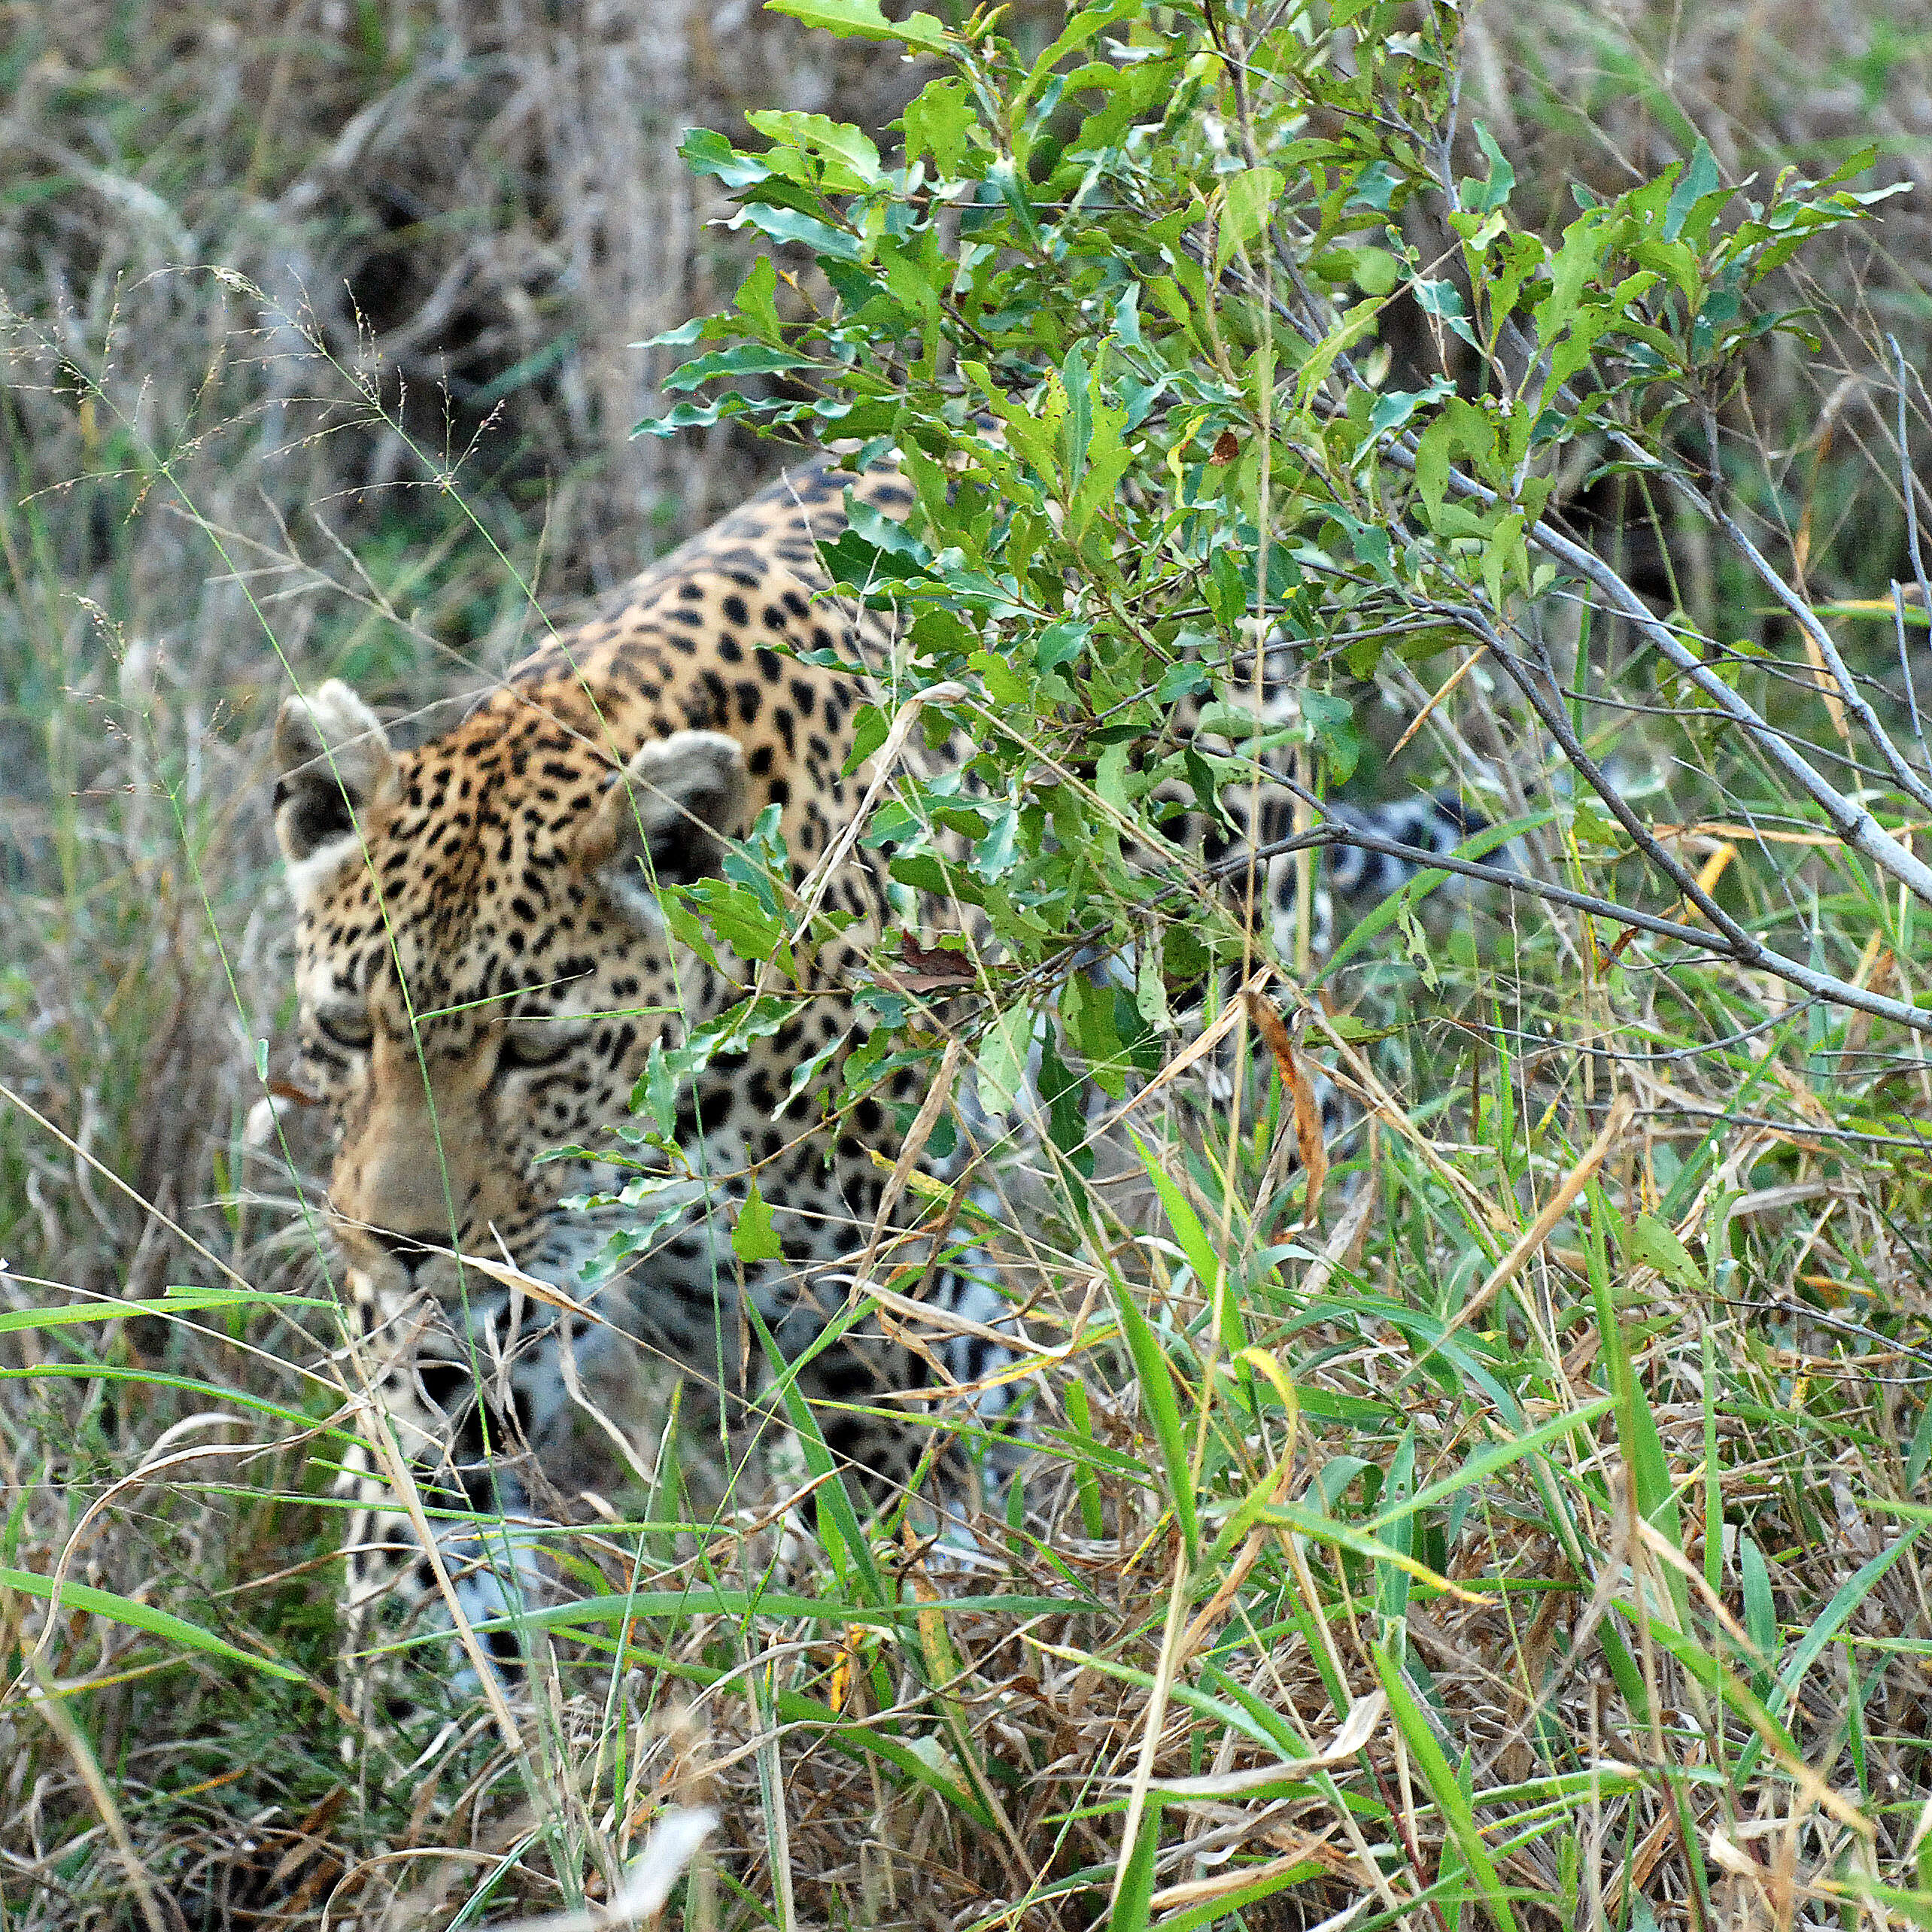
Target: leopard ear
669 818
335 763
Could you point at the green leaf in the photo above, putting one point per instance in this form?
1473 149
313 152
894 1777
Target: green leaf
1080 1415
1443 300
861 19
995 854
1089 1011
1251 196
1086 22
1331 722
707 152
741 359
696 415
1227 595
1698 180
1013 192
161 1623
1493 193
1184 679
1651 1241
1461 430
787 224
699 328
1678 262
1000 1069
1076 427
688 929
741 914
1064 1092
622 1243
1375 187
756 299
1061 643
1150 985
909 279
1394 407
1374 271
753 1238
847 155
941 122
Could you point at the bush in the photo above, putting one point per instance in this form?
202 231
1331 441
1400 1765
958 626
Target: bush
1126 310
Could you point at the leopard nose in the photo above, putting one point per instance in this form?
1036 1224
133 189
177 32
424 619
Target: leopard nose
409 1251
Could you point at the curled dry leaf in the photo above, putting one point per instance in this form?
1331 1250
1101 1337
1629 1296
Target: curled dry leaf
1354 1732
1268 1022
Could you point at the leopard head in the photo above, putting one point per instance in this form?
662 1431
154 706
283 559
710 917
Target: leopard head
483 962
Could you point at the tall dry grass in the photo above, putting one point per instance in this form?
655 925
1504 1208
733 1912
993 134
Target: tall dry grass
268 279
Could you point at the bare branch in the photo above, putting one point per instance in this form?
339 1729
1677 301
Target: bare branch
1849 820
1807 620
1556 721
1908 489
1752 953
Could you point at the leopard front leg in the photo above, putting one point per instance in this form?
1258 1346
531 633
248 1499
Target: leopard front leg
444 1416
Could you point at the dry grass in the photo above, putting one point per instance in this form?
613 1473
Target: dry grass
460 219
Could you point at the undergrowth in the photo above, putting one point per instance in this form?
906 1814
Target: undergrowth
1509 1511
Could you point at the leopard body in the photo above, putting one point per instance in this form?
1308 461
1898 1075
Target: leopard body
484 968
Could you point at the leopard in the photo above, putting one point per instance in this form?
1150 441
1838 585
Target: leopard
494 957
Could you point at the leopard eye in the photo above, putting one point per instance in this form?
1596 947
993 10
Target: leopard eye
345 1027
538 1044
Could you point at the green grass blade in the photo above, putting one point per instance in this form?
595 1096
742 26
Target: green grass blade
1157 1391
833 1503
176 1301
1443 1786
161 1623
1490 1460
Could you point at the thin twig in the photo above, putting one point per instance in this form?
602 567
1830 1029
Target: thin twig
1909 488
1556 721
1854 825
1807 620
1753 953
